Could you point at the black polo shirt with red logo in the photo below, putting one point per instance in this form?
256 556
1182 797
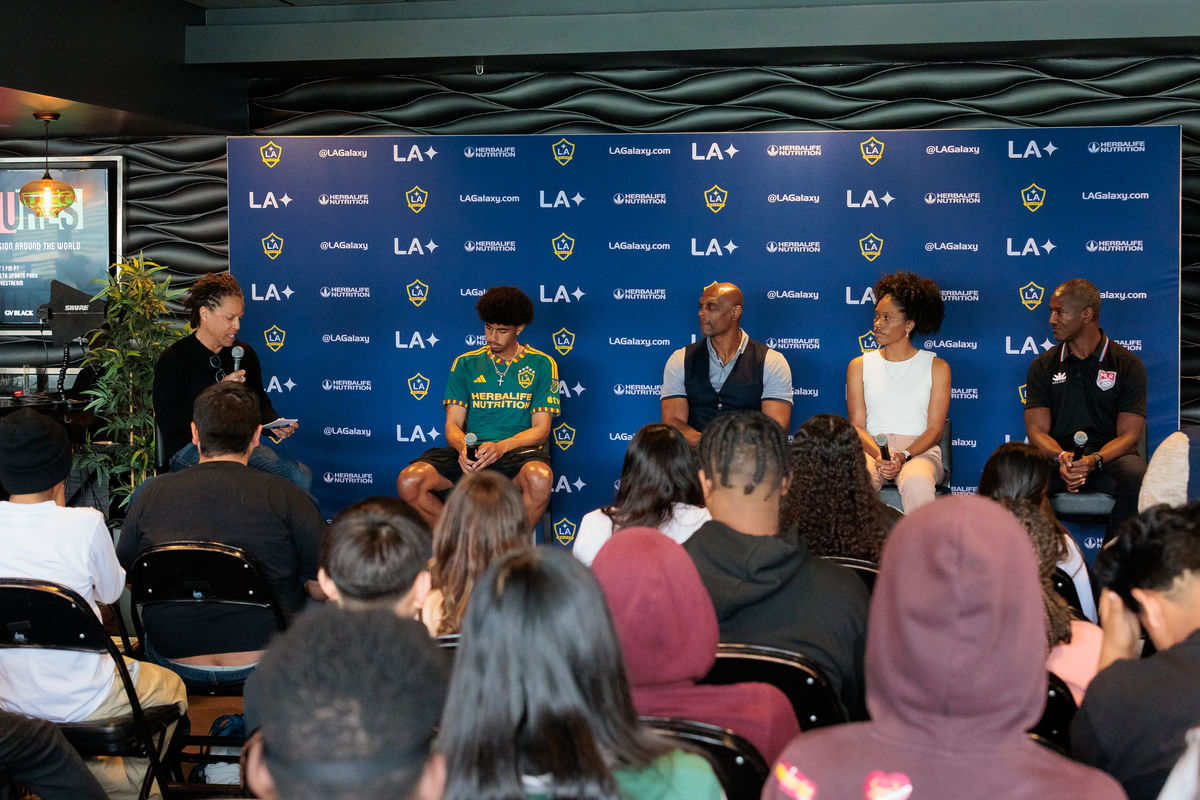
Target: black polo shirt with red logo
1086 394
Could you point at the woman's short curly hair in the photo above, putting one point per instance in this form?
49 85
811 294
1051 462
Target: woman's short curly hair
505 305
919 298
208 292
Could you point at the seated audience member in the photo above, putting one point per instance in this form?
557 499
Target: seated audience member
1173 475
766 587
41 539
956 675
376 552
349 706
484 518
668 633
830 501
539 703
35 755
223 500
1018 470
1137 711
1073 645
659 489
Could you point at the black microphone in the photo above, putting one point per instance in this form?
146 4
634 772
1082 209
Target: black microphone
881 440
1080 441
237 354
470 440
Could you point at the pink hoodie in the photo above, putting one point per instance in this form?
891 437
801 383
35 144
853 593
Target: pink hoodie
668 631
955 675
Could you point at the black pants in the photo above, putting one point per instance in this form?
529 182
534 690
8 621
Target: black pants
1121 479
36 755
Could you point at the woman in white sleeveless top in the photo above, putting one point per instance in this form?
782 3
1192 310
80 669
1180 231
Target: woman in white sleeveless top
900 391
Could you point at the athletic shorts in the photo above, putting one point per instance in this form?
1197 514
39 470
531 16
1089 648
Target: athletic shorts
445 461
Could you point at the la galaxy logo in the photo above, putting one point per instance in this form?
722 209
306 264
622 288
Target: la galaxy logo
525 376
564 340
1021 393
417 198
870 246
271 153
564 436
715 198
274 336
1031 295
563 246
563 151
417 292
564 531
1032 197
872 150
867 343
272 246
418 386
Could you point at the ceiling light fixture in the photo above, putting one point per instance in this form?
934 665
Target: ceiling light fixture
47 197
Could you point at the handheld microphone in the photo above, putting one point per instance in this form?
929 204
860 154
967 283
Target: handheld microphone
237 354
470 440
881 440
1080 440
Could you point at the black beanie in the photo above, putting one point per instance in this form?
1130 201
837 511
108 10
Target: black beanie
35 453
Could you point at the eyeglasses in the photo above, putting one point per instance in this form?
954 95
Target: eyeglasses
215 362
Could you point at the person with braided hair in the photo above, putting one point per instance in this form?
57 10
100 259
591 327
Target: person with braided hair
766 586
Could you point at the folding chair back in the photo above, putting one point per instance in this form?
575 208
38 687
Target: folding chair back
800 678
738 765
44 615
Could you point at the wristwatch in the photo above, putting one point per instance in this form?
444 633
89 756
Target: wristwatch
907 456
1099 461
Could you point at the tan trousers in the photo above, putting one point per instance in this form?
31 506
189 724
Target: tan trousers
120 777
917 479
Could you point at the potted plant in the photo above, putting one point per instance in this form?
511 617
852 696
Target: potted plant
123 354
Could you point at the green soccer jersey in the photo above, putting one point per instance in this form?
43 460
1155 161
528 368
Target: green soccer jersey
501 397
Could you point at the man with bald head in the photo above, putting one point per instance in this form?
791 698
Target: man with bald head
724 372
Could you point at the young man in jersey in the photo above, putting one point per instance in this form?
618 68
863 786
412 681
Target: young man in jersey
506 394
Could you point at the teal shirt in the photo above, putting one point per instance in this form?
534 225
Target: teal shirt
498 408
675 776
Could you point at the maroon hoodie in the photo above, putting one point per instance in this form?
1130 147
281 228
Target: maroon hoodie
955 675
668 631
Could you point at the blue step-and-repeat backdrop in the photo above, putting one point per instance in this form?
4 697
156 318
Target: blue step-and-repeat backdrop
362 258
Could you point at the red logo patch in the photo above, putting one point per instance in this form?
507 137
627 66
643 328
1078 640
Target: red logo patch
1106 380
793 783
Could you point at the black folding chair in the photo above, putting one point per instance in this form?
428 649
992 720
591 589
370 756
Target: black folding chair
199 573
1064 587
796 675
44 615
1055 725
738 765
863 568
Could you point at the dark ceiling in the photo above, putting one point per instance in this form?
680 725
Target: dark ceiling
143 68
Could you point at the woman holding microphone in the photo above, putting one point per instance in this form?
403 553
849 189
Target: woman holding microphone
898 395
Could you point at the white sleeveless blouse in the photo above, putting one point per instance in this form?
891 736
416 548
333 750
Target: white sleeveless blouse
897 393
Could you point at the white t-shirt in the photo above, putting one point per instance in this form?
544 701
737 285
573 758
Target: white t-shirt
72 547
1076 567
596 528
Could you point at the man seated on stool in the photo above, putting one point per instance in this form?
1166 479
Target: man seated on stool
724 372
223 500
505 394
376 552
1092 384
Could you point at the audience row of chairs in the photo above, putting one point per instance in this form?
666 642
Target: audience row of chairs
45 615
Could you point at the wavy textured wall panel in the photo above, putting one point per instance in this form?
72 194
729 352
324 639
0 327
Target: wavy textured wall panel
176 194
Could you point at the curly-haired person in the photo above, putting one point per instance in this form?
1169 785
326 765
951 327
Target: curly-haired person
901 392
506 394
831 504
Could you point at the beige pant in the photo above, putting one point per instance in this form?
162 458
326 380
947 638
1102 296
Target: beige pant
120 777
918 477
